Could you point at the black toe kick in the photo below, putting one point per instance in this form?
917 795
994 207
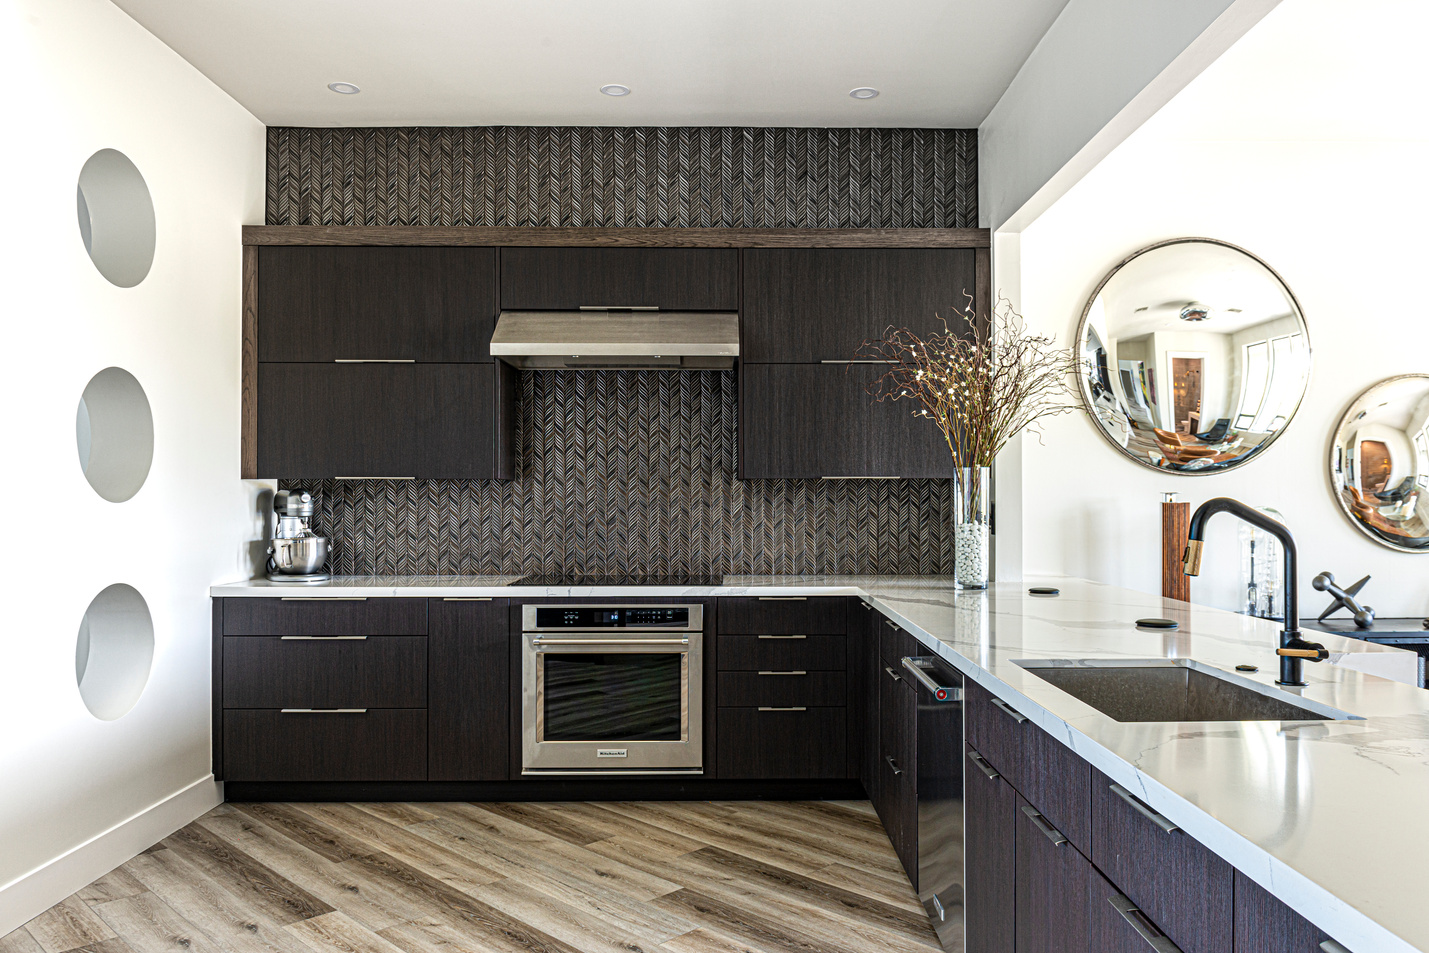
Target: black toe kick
571 789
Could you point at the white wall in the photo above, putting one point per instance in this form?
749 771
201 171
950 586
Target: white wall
76 792
1341 218
1102 68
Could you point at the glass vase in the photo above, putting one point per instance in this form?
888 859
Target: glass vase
972 526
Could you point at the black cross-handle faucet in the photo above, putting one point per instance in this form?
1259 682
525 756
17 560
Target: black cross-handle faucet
1293 649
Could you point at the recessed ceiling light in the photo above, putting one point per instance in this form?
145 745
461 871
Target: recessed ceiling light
615 89
863 92
347 89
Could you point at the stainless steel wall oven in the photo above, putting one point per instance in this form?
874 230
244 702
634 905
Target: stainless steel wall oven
612 689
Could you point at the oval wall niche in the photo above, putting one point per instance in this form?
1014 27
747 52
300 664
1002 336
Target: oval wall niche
114 433
114 652
116 217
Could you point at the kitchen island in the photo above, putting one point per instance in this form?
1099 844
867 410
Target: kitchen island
1326 815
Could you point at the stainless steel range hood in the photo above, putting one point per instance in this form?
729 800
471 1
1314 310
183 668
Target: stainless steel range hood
596 339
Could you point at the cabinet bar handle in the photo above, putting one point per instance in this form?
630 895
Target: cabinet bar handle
324 638
796 708
1055 836
1160 820
860 478
1009 711
783 598
943 693
374 360
373 478
323 599
783 636
1330 946
543 640
892 626
784 673
619 307
466 598
322 711
865 605
826 361
984 766
1154 938
892 674
893 764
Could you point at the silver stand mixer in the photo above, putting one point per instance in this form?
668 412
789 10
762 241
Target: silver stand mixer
297 554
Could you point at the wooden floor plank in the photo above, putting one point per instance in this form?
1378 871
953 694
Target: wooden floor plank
768 934
316 836
148 925
395 812
115 885
564 922
550 821
68 925
225 917
705 940
336 932
276 896
894 894
19 941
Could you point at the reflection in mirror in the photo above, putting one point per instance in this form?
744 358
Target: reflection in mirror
1194 356
1379 464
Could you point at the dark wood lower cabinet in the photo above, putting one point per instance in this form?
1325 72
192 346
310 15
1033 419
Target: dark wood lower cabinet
778 744
380 671
989 858
373 745
897 803
1115 924
1052 880
1265 925
469 691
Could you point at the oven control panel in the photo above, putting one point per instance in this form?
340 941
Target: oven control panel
683 618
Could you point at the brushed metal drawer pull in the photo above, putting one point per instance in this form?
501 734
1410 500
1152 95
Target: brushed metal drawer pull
322 711
783 598
1330 946
984 765
542 640
1160 820
322 599
892 626
1157 940
800 672
865 605
795 708
1055 836
324 638
374 360
373 478
466 598
827 361
783 636
893 764
618 307
892 674
1010 712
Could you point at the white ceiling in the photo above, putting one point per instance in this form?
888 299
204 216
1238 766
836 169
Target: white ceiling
937 63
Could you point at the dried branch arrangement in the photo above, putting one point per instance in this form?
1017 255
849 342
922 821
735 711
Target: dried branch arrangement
981 384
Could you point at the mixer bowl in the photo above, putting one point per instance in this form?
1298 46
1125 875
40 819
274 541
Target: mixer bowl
298 557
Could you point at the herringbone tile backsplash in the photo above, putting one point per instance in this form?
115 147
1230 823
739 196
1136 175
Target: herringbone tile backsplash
629 471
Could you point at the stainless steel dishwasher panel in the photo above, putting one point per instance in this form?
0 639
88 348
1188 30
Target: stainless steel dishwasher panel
940 797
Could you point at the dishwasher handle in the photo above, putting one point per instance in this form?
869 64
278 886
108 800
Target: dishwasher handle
943 693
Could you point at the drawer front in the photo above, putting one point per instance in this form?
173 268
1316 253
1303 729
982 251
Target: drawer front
782 688
1183 887
779 745
319 616
1115 924
755 653
376 745
895 644
1047 773
325 672
783 615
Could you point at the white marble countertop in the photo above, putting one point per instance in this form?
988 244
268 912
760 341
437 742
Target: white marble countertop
1332 817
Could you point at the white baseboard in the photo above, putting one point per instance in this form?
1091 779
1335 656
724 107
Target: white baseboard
31 894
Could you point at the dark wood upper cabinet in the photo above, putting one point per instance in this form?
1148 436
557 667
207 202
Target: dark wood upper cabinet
805 421
328 304
469 692
428 421
805 305
671 279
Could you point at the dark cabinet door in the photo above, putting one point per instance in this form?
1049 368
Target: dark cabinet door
805 421
898 744
340 303
428 421
468 691
1116 925
776 743
671 279
989 851
373 745
805 305
289 671
1177 882
1052 882
1265 925
782 615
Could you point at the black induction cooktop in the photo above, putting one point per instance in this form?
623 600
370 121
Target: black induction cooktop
619 579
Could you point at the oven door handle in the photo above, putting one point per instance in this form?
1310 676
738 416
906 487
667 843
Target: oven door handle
542 640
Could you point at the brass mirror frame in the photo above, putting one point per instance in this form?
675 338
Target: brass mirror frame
1085 389
1330 464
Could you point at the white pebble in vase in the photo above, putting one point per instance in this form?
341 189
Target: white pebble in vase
970 551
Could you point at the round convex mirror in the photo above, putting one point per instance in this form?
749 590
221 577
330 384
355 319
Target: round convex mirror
1194 356
116 217
1379 464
